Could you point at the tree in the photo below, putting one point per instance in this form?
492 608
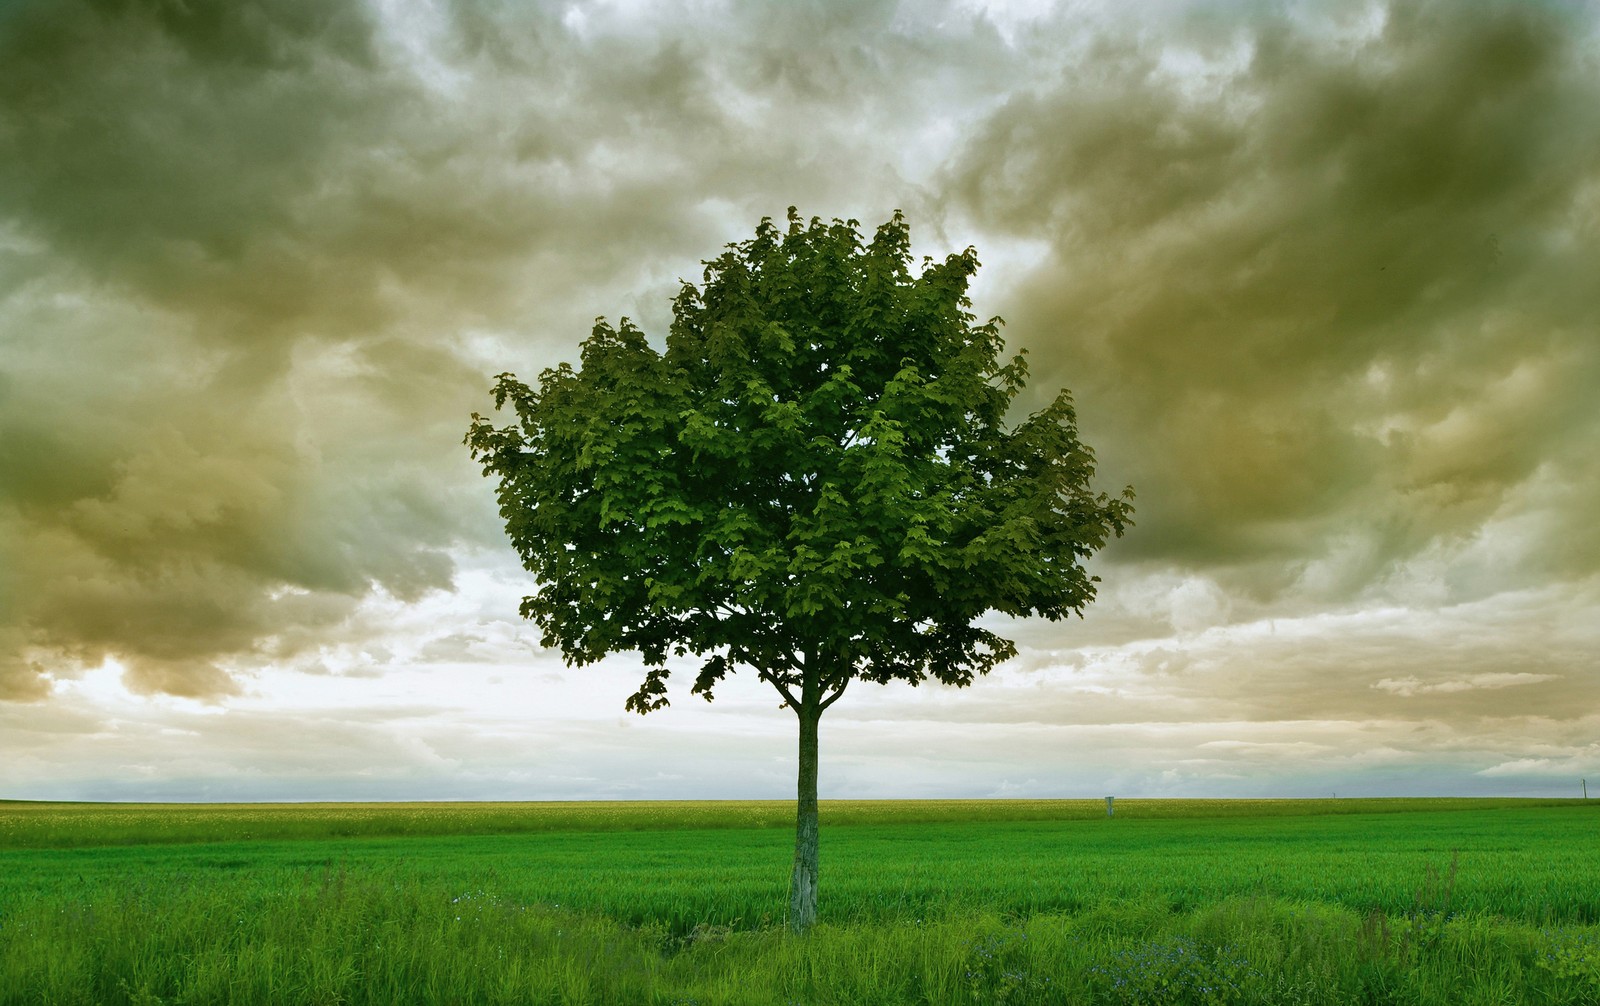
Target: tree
815 481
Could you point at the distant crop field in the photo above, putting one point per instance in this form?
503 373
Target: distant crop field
1348 901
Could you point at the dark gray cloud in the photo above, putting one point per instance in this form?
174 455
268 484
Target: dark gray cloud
1314 271
259 260
167 176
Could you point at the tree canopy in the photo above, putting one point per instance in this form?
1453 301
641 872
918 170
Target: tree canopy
818 469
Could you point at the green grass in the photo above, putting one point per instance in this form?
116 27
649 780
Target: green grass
29 824
1406 901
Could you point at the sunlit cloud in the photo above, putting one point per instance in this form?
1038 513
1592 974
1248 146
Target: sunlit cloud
1411 685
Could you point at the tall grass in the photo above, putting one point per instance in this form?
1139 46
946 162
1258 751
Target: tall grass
369 937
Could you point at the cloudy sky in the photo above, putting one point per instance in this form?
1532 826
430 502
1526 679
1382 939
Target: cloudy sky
1322 276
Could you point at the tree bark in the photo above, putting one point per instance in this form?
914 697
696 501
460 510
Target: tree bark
803 883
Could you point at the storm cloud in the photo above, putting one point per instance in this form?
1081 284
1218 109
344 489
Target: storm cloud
251 253
1324 278
1320 276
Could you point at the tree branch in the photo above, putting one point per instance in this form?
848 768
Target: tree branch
783 690
830 700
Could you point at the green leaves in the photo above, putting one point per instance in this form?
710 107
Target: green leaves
814 478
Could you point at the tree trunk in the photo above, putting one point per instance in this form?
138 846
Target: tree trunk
803 884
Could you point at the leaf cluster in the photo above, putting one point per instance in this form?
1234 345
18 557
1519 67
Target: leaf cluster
815 479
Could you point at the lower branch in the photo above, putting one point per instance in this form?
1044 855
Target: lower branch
834 697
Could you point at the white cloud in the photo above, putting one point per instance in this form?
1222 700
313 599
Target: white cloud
1412 685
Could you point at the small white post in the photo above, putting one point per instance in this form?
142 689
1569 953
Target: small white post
1111 798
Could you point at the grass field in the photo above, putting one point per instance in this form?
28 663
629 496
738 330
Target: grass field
1315 902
